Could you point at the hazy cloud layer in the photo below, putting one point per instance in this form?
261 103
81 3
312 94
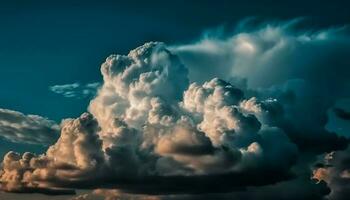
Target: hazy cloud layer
32 129
227 116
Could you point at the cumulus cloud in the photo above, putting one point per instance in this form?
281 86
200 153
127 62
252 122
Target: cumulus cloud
76 90
145 123
33 129
75 156
208 117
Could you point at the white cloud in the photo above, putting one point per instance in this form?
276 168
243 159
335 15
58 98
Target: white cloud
76 90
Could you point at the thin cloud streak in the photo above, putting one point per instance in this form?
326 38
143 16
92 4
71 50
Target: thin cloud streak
76 90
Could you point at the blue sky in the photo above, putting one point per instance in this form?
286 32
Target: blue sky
45 44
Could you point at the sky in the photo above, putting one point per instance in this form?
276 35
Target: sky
61 43
114 97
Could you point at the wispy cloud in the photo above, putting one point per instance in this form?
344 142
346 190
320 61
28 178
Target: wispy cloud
76 90
31 129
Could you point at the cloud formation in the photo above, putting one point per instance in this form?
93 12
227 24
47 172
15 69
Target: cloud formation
280 61
74 156
76 90
208 117
32 129
142 126
334 169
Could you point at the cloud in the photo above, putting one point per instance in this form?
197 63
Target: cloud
75 156
334 169
76 90
113 194
299 188
32 129
208 117
254 50
342 113
278 60
144 123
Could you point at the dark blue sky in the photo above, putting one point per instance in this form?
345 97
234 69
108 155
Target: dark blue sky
48 43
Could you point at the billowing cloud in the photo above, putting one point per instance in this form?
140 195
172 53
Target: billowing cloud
280 61
33 129
76 90
76 156
142 126
224 115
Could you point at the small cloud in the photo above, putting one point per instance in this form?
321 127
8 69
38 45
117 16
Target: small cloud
76 90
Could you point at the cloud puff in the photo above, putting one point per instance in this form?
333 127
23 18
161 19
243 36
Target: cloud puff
160 126
148 73
31 129
75 156
76 90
